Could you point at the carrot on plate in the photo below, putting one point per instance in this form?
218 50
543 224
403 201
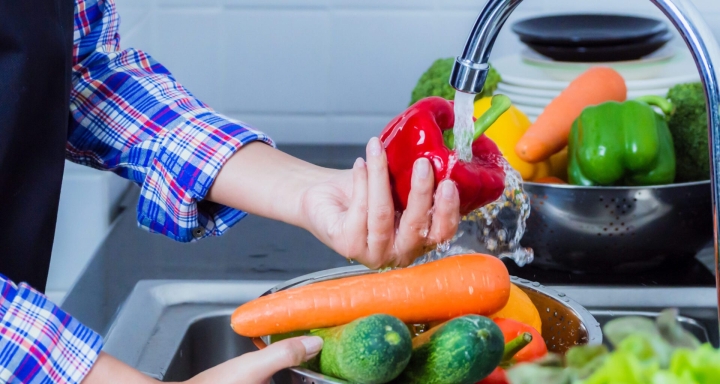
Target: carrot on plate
549 134
443 289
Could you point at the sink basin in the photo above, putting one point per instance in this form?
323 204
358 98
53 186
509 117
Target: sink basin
209 341
173 330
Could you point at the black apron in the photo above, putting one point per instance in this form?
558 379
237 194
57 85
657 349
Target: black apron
35 69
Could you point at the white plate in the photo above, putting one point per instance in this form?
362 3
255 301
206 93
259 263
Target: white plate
506 88
649 67
537 101
515 71
509 89
527 100
528 109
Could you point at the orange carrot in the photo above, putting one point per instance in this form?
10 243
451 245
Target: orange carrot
549 134
443 289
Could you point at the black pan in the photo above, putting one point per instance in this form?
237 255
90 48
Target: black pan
595 54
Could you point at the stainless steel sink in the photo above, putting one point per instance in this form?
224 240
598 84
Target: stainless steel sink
174 330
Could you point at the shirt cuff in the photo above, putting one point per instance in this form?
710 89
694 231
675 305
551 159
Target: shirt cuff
39 342
185 167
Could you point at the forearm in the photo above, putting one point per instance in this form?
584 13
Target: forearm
108 369
267 182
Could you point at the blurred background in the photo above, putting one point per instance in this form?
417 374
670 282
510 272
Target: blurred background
303 71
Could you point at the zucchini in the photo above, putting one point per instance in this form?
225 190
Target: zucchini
371 350
461 351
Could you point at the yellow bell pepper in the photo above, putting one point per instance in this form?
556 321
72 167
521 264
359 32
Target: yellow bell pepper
520 308
507 131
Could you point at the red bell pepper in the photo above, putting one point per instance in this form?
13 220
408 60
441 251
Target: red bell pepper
511 329
425 130
512 347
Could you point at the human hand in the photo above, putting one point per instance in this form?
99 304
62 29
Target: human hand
250 368
352 212
259 367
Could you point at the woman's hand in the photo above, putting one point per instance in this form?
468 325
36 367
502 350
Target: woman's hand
250 368
353 213
350 211
259 367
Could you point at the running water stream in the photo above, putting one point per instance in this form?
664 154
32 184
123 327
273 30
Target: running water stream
498 227
464 126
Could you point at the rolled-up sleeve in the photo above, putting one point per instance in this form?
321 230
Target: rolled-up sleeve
40 343
130 116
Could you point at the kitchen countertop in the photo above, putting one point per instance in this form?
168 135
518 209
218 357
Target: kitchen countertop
255 248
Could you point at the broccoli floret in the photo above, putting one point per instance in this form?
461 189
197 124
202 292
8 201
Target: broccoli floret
434 82
689 128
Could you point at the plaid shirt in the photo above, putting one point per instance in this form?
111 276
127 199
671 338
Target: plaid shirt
128 115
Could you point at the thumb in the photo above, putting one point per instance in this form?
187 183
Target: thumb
258 367
283 354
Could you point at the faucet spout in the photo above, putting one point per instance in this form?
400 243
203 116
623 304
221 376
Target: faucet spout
471 68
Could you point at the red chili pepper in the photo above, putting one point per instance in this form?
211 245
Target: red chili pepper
497 376
512 329
425 130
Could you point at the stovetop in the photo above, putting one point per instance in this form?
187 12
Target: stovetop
694 274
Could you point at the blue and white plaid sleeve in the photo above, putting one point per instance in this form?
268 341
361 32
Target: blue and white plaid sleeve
39 343
130 116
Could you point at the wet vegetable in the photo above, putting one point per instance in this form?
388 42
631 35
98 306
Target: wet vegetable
443 289
426 130
520 308
461 351
645 352
371 350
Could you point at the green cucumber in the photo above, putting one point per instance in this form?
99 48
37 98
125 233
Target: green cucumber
371 350
464 350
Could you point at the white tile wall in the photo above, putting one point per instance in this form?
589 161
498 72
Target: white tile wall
276 61
327 71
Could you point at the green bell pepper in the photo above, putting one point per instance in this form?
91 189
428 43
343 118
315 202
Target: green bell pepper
622 144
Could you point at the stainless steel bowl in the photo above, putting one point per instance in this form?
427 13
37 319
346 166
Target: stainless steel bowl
617 229
565 323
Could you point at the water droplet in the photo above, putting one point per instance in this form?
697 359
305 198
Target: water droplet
443 247
561 294
498 226
535 284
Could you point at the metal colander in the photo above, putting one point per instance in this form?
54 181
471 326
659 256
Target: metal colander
617 229
565 323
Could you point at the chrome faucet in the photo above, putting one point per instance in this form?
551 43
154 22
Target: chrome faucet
470 72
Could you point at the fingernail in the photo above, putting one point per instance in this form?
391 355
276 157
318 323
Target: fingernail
374 146
313 345
448 190
422 168
359 163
